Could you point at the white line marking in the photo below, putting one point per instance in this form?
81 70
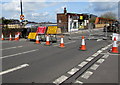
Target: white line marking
72 71
87 74
110 54
11 48
18 54
99 40
105 56
95 54
83 64
100 60
78 82
99 51
89 59
14 69
94 67
60 79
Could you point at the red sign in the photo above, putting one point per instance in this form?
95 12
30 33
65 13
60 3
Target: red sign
41 30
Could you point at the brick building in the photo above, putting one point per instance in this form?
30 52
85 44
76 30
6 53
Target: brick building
72 21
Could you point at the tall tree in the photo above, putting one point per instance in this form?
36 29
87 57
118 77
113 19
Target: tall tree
109 15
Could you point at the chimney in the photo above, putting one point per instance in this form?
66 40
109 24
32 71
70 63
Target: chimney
65 11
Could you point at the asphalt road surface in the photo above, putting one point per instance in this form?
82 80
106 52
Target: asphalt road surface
26 62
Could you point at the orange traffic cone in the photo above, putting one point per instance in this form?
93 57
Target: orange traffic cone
115 46
2 37
62 45
47 40
16 36
83 46
10 38
37 39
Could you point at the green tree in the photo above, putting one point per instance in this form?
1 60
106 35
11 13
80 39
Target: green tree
109 15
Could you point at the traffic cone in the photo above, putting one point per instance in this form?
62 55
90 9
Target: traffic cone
16 36
83 46
10 38
2 37
62 45
37 39
47 40
115 46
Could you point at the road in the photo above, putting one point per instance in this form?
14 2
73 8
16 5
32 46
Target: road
26 62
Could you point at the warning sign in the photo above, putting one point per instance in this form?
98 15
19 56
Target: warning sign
41 30
52 30
32 35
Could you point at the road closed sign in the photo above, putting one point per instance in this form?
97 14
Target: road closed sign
52 30
41 30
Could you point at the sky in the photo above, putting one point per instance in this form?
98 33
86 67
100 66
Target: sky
46 10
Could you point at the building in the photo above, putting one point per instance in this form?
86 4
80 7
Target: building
72 21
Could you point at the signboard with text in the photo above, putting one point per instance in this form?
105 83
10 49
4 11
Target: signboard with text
41 30
52 30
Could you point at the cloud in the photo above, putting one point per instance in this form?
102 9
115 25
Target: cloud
59 10
103 0
104 6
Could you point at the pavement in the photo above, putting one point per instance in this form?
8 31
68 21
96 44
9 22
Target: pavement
26 62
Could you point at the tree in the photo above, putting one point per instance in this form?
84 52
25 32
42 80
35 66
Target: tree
109 15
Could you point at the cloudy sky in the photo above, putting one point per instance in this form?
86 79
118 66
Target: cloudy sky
46 10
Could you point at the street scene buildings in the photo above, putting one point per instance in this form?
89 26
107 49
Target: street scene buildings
59 42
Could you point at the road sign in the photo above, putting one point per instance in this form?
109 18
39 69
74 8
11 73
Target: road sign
52 30
41 30
21 17
32 35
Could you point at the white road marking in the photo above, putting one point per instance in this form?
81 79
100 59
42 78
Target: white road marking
99 51
89 59
100 60
94 67
72 71
14 69
83 64
78 82
18 54
95 54
60 79
99 40
87 74
11 48
105 56
110 54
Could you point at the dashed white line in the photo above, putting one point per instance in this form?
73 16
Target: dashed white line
95 54
77 81
99 40
60 79
72 71
18 54
105 56
99 51
14 69
94 67
89 59
100 60
83 64
87 74
11 48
